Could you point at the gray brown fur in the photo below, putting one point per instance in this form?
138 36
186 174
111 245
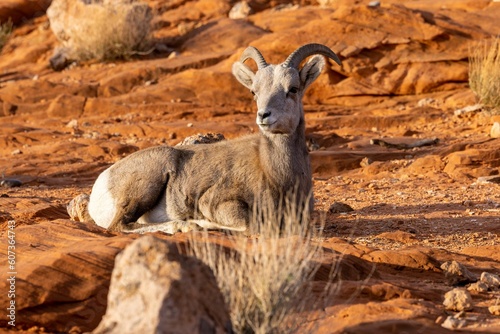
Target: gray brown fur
223 182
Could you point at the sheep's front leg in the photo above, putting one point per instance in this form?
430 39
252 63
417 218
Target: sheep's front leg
170 227
230 215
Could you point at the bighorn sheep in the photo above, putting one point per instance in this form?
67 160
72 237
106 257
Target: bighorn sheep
216 185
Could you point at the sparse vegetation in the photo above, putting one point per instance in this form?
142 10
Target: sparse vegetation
484 72
5 31
264 277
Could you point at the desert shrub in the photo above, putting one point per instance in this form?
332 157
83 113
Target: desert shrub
264 277
101 30
5 31
484 72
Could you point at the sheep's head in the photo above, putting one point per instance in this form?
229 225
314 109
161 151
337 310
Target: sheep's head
278 89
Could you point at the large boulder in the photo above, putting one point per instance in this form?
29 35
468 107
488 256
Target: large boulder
155 289
98 29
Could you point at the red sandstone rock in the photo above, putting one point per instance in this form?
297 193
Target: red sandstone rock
414 208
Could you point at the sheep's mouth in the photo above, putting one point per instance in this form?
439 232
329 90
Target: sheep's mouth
265 125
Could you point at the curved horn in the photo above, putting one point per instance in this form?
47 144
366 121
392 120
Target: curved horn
296 57
254 54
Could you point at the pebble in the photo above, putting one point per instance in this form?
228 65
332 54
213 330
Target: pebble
495 130
454 323
72 124
78 208
457 299
488 179
457 273
478 286
200 138
339 207
374 4
425 102
10 183
240 10
491 280
495 309
365 162
468 110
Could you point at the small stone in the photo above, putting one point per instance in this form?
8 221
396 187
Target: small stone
495 309
61 59
78 208
488 179
478 286
425 102
468 203
491 280
72 124
199 138
454 323
9 108
468 110
374 4
366 162
240 10
16 152
495 130
339 207
457 299
189 125
10 183
457 273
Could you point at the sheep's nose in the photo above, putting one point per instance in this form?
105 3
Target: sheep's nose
263 114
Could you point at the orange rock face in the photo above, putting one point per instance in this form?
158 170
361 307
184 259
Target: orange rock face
404 73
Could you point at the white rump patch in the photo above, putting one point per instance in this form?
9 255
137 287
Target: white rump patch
102 207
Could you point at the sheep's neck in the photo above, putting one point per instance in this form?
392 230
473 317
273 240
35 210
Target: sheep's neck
284 157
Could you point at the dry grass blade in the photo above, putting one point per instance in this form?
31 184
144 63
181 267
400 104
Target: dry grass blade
5 31
264 277
484 72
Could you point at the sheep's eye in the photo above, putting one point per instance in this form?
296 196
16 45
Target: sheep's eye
293 90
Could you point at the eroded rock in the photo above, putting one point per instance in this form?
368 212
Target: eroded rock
339 207
454 323
495 309
199 138
78 208
457 273
155 289
491 280
240 10
10 183
495 130
457 300
478 287
97 30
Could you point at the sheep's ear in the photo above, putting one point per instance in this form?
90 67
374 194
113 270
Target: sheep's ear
244 74
311 70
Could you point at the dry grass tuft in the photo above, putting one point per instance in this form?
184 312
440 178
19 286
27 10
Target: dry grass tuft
484 72
5 31
264 277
